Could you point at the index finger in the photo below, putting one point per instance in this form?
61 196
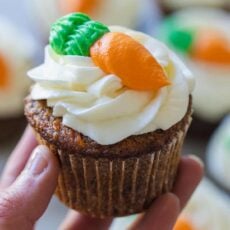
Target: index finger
18 158
190 173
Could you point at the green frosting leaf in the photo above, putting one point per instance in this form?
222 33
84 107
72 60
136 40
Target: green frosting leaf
178 37
75 33
181 40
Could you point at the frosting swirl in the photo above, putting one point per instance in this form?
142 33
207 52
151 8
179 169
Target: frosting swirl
102 107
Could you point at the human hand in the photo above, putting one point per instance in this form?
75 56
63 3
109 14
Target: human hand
27 184
29 180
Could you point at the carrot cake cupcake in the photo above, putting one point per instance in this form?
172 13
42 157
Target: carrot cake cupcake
202 38
114 106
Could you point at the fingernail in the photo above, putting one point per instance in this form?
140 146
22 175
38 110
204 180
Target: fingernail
38 162
197 159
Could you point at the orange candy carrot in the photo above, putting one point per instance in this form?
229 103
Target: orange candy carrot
213 47
119 54
183 224
84 6
4 74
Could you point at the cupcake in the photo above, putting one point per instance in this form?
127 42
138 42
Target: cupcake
205 47
16 50
169 6
124 12
218 154
208 209
114 106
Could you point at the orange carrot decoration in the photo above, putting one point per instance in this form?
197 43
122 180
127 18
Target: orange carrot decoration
119 54
4 74
84 6
212 46
183 224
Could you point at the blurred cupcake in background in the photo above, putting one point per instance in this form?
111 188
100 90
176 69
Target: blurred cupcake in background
218 154
208 209
169 6
202 38
119 12
16 51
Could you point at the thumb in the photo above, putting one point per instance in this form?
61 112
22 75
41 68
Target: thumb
23 203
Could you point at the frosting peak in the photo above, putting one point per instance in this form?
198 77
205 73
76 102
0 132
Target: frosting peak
113 52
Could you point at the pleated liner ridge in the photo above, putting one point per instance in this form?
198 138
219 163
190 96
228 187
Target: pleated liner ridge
104 187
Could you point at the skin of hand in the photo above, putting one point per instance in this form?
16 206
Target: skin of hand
30 177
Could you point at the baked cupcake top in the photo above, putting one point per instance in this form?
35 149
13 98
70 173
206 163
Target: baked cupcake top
16 51
110 82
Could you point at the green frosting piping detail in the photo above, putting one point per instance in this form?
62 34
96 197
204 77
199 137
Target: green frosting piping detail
178 37
181 40
75 33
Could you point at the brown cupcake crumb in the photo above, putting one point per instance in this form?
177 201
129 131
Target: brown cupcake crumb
53 131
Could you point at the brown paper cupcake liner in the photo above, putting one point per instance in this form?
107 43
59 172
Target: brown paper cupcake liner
104 187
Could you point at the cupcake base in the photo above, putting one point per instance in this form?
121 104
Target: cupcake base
104 187
113 180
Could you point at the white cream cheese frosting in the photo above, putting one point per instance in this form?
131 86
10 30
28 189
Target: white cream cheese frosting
99 106
109 12
16 49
